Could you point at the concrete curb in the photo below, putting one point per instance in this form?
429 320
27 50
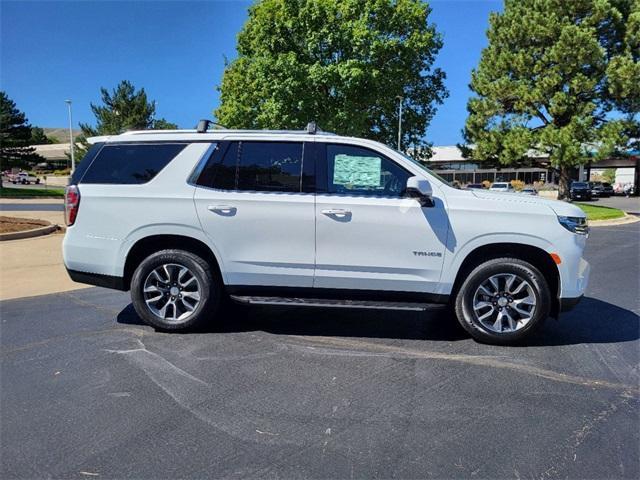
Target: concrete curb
35 232
627 219
33 198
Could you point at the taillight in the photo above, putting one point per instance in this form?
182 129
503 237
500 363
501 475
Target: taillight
71 204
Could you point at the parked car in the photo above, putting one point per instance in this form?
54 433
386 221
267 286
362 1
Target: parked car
501 187
529 191
580 191
23 178
608 189
477 186
597 190
189 220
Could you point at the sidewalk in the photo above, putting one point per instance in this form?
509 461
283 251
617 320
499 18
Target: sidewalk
33 267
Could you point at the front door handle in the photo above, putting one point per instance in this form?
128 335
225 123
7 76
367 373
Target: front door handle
224 209
338 212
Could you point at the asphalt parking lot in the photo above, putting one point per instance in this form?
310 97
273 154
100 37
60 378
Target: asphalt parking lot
87 391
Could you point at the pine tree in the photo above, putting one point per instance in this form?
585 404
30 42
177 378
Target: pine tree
549 79
15 136
122 109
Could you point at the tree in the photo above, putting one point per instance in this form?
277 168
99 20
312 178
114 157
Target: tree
38 137
341 63
546 83
122 109
623 80
609 175
15 136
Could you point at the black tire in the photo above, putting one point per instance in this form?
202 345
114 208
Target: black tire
208 283
465 297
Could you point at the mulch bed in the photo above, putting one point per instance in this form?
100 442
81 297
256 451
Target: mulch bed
13 224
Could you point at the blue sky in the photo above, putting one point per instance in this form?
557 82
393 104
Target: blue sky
54 50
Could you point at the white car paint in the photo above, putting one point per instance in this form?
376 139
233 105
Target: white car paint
289 240
501 187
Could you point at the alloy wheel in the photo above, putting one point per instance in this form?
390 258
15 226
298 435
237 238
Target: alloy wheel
172 292
504 303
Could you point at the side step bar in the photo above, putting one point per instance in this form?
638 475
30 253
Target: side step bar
331 303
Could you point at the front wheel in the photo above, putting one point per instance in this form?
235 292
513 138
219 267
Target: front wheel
175 290
502 301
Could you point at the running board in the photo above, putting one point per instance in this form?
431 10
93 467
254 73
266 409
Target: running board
331 303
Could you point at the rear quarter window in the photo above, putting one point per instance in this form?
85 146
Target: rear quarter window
130 164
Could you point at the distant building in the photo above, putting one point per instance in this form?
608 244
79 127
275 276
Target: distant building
55 155
449 163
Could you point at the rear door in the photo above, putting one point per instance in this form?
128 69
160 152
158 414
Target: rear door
253 205
368 235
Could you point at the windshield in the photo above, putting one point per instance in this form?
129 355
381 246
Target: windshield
425 168
579 185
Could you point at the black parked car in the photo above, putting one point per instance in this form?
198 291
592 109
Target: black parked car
580 191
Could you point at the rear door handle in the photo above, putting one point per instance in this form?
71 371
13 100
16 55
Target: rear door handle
227 209
338 212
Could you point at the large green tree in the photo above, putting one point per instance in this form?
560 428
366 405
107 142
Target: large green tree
342 63
15 136
124 108
557 77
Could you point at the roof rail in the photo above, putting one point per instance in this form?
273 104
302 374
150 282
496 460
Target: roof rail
203 125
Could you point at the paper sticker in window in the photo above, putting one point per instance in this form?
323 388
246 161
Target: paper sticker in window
353 171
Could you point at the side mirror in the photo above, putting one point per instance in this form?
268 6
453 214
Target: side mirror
420 189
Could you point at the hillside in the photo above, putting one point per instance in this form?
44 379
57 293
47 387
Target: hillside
61 134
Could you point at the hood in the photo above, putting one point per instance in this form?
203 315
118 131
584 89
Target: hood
559 207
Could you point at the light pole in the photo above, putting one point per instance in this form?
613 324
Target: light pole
71 143
400 100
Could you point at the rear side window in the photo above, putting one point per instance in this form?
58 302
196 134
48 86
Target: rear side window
130 164
257 166
270 166
225 173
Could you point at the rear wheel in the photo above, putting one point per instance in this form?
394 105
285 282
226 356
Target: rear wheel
503 301
175 290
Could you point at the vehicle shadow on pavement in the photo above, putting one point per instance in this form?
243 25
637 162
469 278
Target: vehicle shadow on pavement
592 321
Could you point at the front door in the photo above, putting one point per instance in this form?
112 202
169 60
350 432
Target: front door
368 235
251 205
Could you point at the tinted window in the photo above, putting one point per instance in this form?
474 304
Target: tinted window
224 175
130 164
85 163
360 171
270 166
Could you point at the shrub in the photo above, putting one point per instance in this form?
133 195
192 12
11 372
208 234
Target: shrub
518 185
486 183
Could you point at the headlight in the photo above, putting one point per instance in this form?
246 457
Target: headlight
576 225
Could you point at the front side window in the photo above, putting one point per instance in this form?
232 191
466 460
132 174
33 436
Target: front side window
359 171
130 164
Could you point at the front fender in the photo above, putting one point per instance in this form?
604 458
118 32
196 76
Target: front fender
454 260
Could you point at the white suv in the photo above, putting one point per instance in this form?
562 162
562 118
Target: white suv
189 219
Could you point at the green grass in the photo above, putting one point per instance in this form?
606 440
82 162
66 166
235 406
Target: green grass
600 213
31 192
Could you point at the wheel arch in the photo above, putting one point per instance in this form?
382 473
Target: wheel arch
536 256
148 245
